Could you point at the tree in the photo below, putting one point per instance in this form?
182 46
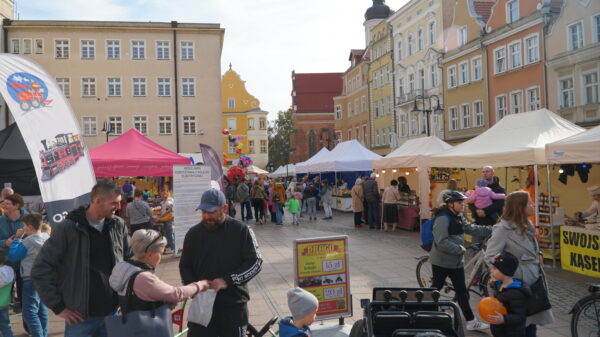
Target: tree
279 139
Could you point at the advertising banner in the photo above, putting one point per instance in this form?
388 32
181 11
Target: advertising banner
189 182
579 250
51 132
321 267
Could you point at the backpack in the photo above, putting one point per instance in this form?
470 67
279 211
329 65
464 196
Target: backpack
427 234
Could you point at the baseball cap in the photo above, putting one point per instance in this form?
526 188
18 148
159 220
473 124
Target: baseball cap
211 200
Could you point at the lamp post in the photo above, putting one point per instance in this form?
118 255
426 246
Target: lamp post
438 109
107 129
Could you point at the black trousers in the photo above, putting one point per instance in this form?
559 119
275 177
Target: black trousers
246 210
457 276
225 322
357 218
259 208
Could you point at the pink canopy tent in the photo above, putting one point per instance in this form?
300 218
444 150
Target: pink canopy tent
131 155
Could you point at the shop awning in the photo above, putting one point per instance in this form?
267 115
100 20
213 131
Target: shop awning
581 148
347 156
413 153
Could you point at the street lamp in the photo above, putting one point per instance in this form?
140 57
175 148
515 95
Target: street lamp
107 129
438 109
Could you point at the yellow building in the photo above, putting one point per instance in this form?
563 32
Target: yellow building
245 121
464 67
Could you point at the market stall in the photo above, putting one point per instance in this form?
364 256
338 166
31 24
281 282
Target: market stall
288 170
303 167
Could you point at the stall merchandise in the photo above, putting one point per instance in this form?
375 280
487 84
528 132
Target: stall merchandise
549 221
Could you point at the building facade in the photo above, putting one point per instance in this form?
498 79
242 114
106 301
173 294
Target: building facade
160 78
6 9
419 40
244 119
573 66
313 113
465 77
352 106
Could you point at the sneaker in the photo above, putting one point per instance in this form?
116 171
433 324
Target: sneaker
477 325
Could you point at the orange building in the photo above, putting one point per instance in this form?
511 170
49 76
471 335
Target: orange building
515 54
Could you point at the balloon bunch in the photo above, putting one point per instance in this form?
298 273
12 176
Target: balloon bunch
235 171
236 141
245 161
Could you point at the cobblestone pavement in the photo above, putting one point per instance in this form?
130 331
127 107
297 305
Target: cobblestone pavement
375 259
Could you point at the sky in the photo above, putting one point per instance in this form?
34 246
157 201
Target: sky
264 39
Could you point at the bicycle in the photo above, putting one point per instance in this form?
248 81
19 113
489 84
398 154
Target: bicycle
478 280
586 314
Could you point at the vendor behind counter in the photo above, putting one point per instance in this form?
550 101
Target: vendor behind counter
592 212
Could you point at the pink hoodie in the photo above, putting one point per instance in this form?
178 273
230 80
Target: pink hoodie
483 196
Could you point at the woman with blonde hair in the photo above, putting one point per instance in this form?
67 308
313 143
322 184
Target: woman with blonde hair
515 234
358 199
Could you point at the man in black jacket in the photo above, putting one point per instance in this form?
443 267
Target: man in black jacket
72 269
223 250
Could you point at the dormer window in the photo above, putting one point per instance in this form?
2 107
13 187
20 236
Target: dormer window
512 11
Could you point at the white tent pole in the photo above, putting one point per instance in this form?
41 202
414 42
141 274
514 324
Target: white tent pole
549 188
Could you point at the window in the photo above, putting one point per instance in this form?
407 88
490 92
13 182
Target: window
477 114
381 77
596 28
114 86
349 134
15 46
349 111
476 68
231 147
376 137
463 68
516 102
187 50
575 35
138 49
381 107
433 73
499 60
453 119
514 49
410 44
363 102
387 74
400 85
139 86
162 50
383 137
452 77
365 134
375 79
39 46
462 36
532 52
390 105
500 107
411 82
512 11
533 99
164 86
189 125
414 124
376 109
141 124
420 39
465 116
390 136
250 123
188 87
61 49
590 88
64 83
90 127
165 125
231 103
113 49
399 51
116 124
250 146
421 73
356 106
403 125
263 146
566 93
26 46
88 49
231 124
88 87
338 112
432 32
262 123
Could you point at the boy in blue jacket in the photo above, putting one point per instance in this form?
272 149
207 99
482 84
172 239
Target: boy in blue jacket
303 306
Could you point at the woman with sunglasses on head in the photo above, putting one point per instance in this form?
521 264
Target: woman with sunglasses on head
148 290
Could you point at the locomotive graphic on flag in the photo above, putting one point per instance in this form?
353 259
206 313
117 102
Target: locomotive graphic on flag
59 154
28 90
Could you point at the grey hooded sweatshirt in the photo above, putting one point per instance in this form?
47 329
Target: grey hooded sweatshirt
120 276
33 243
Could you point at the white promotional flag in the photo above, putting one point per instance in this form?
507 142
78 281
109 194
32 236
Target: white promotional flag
50 130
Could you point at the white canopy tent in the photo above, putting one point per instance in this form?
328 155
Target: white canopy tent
415 153
580 148
321 155
347 156
284 171
255 170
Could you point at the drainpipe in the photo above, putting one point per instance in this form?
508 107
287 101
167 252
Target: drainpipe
176 82
5 22
487 83
395 124
544 73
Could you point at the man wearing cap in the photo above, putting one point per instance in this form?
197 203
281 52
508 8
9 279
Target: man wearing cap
223 250
594 191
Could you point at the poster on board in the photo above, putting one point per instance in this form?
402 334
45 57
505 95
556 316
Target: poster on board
579 250
321 267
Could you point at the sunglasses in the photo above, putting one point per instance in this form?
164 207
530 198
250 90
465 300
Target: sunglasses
158 238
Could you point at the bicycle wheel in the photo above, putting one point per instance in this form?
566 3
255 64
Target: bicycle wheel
482 286
586 317
424 273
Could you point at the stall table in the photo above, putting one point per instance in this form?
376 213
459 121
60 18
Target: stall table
342 202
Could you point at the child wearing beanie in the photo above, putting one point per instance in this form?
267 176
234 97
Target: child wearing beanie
303 306
512 293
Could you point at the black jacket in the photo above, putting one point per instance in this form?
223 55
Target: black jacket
61 272
493 211
514 297
229 252
371 190
310 192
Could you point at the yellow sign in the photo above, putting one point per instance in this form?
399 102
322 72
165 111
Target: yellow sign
321 267
579 250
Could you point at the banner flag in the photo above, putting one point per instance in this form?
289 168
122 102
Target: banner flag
51 132
211 159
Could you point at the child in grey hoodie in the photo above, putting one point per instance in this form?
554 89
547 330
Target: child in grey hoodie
35 313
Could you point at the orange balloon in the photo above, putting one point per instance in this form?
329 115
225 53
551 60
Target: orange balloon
490 306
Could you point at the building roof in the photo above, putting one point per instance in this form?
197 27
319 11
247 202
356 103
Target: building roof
111 24
483 8
379 10
356 52
314 92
